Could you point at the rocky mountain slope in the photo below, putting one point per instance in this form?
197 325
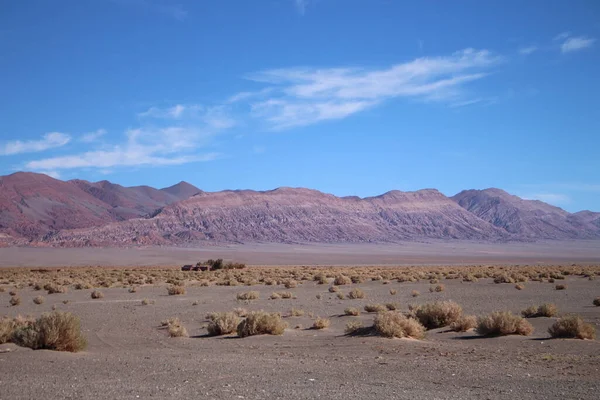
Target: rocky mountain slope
531 219
38 210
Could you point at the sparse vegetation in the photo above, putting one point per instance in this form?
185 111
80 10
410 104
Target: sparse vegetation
375 308
295 312
572 326
356 293
438 314
146 302
464 323
342 280
392 324
519 286
560 287
545 310
96 294
596 302
321 323
223 323
175 290
60 331
503 323
261 323
415 293
392 306
353 327
175 328
15 301
247 296
437 288
38 300
393 292
333 289
352 311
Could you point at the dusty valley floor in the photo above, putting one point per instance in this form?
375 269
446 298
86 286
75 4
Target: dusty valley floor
130 356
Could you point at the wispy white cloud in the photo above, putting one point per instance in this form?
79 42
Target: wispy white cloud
92 136
167 146
576 43
301 6
215 117
528 50
49 141
562 36
303 96
53 174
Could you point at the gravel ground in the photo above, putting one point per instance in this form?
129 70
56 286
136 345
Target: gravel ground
130 357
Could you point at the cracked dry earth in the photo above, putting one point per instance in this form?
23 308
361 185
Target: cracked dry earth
130 357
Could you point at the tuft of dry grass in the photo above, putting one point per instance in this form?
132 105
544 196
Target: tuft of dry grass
296 312
560 287
321 323
438 314
415 293
353 327
392 324
15 301
519 286
464 323
38 300
437 288
223 323
60 331
247 296
545 310
321 279
352 311
333 289
275 296
146 302
290 284
340 295
240 312
503 323
572 326
176 329
392 306
596 302
13 293
261 323
96 294
342 280
133 289
356 293
175 290
393 292
9 325
53 288
375 308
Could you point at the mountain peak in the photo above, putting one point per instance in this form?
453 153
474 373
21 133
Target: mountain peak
182 190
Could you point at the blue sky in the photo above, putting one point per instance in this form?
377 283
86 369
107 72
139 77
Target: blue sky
345 96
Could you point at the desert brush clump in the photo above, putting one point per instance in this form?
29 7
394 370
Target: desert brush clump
392 324
392 306
175 290
60 331
519 286
340 295
464 323
38 300
333 289
247 296
572 326
437 288
438 314
9 325
356 293
545 310
342 280
15 301
321 279
503 323
54 288
295 312
261 323
596 301
353 327
352 311
375 308
560 287
175 328
321 323
96 294
393 292
415 293
290 284
223 323
240 311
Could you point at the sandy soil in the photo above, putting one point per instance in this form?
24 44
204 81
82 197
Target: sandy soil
407 253
129 357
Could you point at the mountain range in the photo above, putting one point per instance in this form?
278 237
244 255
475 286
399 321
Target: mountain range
38 210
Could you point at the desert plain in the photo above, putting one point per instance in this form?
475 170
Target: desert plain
130 354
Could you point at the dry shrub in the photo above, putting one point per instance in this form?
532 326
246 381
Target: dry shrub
572 326
503 323
12 293
321 279
146 302
252 295
464 323
38 300
9 325
333 289
340 296
393 324
240 312
352 311
133 289
596 302
392 306
96 294
560 287
321 323
223 324
393 292
318 296
290 284
342 280
519 286
60 331
66 301
356 293
438 314
545 310
261 323
286 295
175 290
375 308
53 288
295 312
437 288
176 328
415 293
275 296
353 327
15 301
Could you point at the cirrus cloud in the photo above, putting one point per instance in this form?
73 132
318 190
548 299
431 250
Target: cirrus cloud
49 141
